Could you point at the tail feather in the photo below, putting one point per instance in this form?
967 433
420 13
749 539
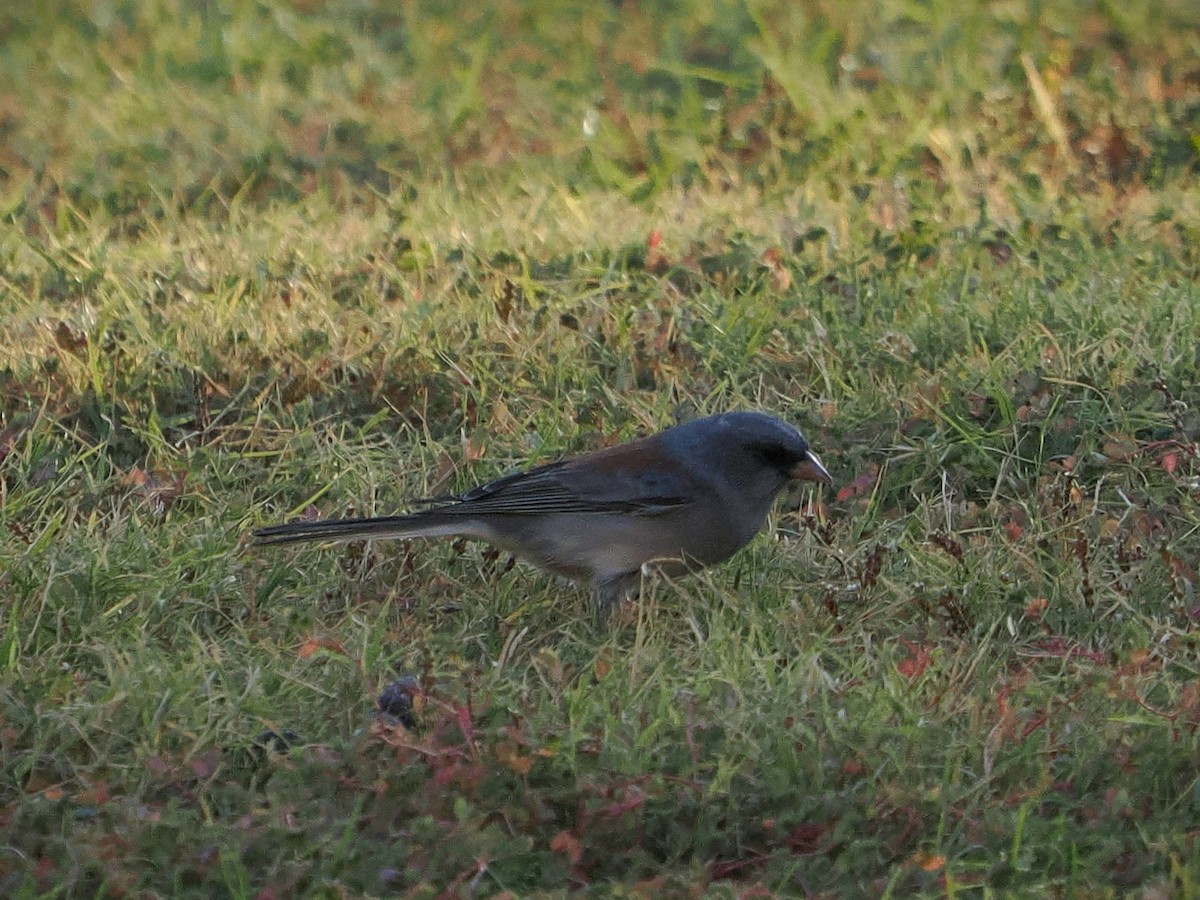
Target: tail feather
426 524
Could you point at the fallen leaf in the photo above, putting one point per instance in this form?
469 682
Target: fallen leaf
313 645
914 665
567 844
806 838
68 337
505 300
861 485
929 862
1120 448
603 666
772 260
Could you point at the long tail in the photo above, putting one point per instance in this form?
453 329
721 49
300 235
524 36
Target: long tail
423 524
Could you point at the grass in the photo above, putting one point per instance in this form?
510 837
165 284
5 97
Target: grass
257 259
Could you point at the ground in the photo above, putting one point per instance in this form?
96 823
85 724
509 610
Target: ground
264 260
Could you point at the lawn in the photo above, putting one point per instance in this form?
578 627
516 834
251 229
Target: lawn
261 260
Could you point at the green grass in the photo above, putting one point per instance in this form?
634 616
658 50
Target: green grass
257 258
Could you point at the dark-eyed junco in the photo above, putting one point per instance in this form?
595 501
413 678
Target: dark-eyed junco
682 499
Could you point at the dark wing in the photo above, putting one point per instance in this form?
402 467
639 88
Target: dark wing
603 482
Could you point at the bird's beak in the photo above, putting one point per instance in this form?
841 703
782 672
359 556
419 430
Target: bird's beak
810 469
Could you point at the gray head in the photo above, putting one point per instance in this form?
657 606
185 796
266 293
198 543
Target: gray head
750 446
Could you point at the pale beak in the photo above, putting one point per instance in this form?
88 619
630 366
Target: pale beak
810 469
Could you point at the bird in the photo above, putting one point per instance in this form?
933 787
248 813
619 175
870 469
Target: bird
688 497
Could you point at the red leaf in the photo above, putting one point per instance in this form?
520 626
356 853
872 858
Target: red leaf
313 645
863 484
806 838
1179 568
913 666
567 844
929 862
45 868
1036 607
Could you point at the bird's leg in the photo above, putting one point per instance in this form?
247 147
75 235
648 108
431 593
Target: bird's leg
607 595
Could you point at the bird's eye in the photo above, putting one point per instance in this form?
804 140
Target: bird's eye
776 455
